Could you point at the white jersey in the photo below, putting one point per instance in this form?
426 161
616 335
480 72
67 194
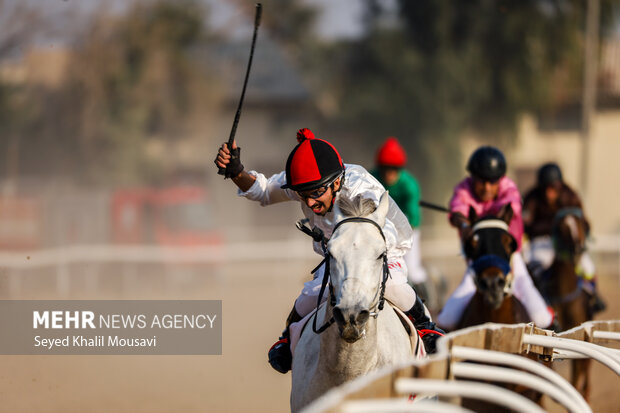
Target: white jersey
357 181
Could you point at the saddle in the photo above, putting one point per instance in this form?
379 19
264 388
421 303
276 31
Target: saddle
411 331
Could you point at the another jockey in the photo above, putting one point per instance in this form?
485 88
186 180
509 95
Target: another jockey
487 190
541 204
405 191
316 177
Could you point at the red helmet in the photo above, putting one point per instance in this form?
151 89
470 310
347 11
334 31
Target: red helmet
391 154
313 163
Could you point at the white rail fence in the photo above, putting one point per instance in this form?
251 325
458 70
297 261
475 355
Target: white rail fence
442 374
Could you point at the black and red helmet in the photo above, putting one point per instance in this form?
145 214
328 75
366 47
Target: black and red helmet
313 163
391 154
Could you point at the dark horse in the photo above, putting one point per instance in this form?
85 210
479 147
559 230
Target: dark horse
489 248
561 285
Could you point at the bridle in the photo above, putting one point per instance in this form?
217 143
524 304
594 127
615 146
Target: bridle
490 260
318 236
562 248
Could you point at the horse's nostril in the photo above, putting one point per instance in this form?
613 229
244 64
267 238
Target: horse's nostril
362 317
501 282
338 316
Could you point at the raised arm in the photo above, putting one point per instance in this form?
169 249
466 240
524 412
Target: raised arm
234 167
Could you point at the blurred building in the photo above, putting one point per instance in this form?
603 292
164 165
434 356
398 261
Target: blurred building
277 103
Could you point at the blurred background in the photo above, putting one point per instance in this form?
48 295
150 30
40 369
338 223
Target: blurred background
111 113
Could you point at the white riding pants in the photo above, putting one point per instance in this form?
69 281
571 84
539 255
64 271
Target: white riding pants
413 258
541 251
523 289
396 289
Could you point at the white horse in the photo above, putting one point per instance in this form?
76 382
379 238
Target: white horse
364 338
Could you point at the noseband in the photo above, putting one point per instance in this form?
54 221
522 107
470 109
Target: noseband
318 236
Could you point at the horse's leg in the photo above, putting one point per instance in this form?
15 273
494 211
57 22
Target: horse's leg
580 377
577 310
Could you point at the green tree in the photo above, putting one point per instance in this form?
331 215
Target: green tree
131 79
448 67
20 24
290 22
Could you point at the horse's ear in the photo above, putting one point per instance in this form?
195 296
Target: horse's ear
506 213
472 216
381 212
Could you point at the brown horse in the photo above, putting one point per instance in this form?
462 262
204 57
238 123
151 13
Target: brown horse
489 248
562 286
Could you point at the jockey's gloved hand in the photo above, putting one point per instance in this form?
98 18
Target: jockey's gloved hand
462 223
228 158
235 167
428 331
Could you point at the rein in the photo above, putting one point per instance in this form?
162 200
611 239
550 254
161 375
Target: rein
318 236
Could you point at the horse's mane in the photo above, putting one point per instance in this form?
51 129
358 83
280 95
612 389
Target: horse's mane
356 207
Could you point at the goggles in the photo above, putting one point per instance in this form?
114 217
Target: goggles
315 193
319 192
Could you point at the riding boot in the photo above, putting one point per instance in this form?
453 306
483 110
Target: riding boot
555 324
280 356
595 302
428 331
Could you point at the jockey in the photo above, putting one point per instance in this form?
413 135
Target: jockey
316 177
487 190
405 191
541 204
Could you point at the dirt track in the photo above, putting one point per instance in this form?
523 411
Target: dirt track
256 300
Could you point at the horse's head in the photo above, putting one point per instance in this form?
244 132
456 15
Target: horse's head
357 249
489 247
569 233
